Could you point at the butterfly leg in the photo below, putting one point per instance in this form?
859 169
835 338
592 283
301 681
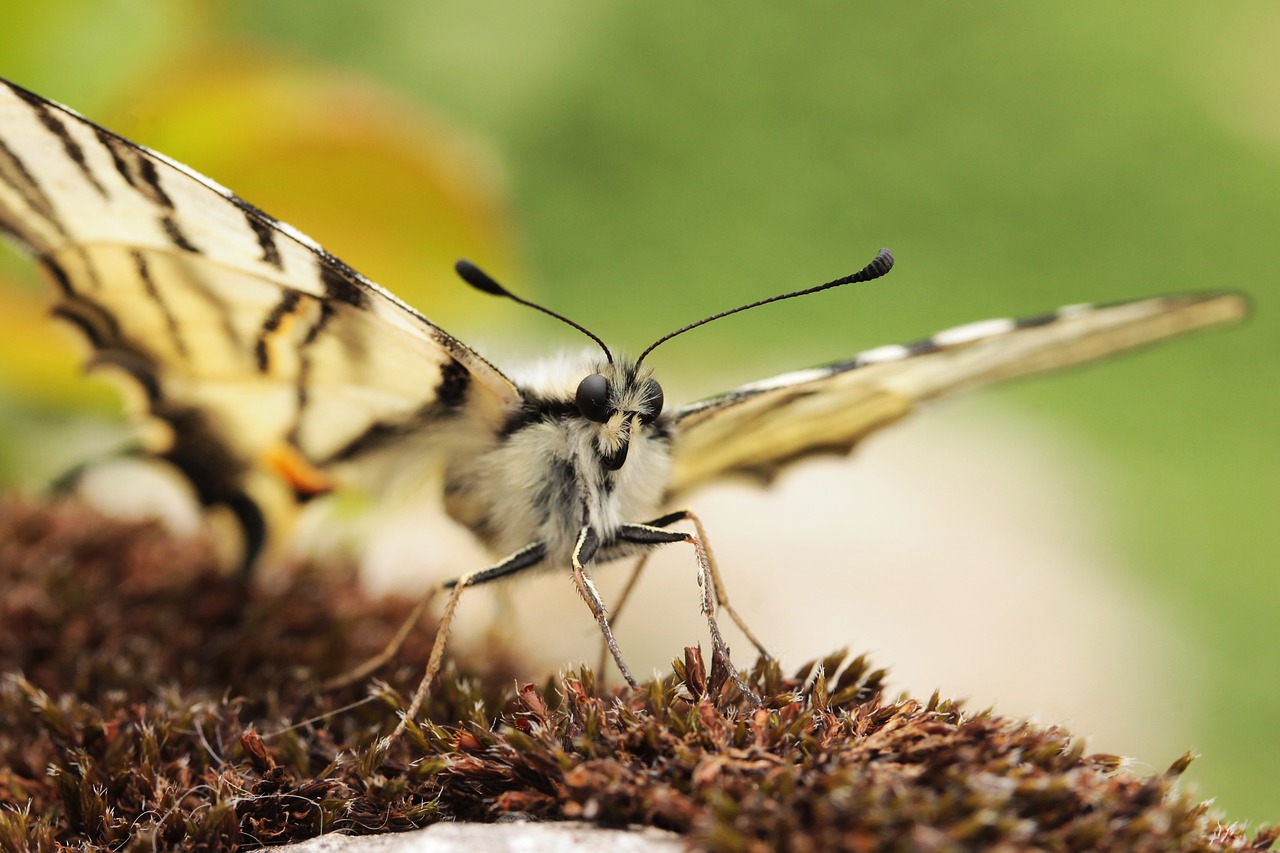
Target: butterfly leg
655 534
376 662
519 561
583 551
722 597
617 608
522 559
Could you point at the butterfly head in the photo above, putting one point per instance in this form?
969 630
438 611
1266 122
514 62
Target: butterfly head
623 400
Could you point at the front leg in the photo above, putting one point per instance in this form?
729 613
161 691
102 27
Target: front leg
654 533
721 595
583 551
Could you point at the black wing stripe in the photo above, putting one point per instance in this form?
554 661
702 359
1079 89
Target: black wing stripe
214 470
450 395
52 123
283 308
381 433
170 321
921 347
150 179
8 232
24 183
341 286
327 313
119 154
1045 319
216 473
266 239
135 167
55 273
103 332
301 399
253 525
98 327
455 381
137 365
175 234
302 394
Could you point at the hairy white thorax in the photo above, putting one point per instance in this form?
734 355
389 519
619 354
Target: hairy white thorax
545 479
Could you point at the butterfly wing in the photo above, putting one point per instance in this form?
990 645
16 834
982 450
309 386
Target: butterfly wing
760 428
276 367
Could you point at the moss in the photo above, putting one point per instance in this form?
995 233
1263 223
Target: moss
148 700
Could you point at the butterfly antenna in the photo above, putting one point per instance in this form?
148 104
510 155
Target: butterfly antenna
480 280
881 264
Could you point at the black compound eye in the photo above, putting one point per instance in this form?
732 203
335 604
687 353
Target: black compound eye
593 398
653 403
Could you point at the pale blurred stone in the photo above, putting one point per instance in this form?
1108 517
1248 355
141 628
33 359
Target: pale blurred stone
511 837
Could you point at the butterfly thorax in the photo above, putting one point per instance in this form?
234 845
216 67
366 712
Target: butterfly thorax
555 468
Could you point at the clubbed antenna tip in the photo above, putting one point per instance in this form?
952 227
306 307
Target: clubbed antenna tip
478 278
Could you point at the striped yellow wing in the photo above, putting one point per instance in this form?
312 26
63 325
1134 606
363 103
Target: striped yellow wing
760 428
277 368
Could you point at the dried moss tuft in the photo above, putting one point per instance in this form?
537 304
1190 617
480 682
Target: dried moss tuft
149 701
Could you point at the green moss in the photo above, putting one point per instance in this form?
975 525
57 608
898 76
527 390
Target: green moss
148 700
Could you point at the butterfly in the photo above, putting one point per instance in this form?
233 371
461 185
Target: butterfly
280 374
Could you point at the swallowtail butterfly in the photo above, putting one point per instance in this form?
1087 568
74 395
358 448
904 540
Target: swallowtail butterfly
281 373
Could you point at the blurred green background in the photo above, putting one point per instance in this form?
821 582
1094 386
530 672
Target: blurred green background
641 165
